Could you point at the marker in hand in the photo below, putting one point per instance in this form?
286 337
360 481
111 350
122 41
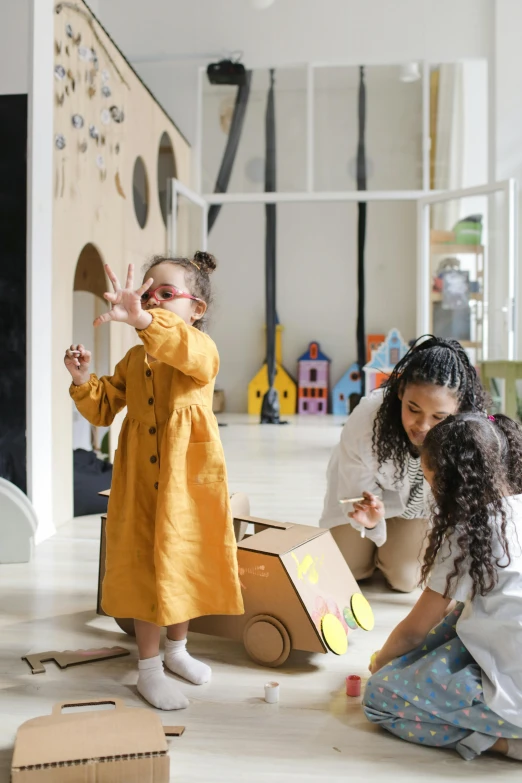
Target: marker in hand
344 501
368 511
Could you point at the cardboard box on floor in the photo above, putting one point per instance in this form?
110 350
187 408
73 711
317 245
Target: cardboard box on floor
124 745
291 577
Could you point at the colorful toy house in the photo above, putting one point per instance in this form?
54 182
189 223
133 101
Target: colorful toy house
314 371
347 391
284 383
384 359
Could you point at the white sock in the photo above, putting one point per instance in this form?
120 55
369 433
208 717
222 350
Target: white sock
179 662
515 749
158 689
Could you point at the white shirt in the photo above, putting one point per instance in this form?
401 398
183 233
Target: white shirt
354 469
490 626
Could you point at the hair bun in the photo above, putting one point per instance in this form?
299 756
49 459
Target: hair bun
206 261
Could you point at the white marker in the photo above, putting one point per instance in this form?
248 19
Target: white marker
344 501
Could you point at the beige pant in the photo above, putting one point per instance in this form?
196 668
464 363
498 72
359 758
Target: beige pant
399 559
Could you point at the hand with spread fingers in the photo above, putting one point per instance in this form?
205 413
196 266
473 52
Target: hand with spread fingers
126 302
77 360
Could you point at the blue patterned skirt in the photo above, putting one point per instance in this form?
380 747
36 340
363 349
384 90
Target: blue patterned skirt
433 696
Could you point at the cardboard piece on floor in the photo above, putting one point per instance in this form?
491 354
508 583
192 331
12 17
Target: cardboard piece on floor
173 731
72 657
102 746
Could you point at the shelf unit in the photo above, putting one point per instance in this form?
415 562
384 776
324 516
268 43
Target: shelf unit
475 267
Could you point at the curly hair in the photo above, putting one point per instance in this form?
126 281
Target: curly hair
197 273
512 450
469 456
433 360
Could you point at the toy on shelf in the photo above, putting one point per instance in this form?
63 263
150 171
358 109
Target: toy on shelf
284 383
298 591
384 359
347 391
313 380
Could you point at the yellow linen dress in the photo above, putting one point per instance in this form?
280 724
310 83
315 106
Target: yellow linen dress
171 550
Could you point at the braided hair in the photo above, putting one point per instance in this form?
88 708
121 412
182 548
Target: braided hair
471 458
435 361
197 273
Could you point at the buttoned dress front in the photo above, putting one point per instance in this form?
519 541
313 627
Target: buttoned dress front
171 550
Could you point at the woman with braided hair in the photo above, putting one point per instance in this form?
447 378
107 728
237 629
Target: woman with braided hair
378 458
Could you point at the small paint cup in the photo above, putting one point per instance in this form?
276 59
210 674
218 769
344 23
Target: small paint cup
272 692
353 685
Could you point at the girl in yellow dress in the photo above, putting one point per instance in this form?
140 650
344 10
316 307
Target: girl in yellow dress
171 551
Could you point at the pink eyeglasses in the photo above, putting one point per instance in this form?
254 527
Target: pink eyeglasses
164 293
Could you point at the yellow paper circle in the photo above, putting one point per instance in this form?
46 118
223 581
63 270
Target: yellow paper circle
362 612
334 634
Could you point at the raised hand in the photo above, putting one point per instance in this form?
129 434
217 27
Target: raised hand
126 302
368 513
77 360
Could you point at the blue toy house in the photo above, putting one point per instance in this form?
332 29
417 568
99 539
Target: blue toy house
346 391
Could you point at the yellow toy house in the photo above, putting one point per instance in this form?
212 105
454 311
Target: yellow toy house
284 383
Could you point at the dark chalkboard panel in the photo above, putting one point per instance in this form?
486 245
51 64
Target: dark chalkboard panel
13 227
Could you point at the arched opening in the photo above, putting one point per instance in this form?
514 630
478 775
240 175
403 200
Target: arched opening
166 171
90 444
140 191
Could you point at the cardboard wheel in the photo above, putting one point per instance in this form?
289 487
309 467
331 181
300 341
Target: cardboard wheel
266 640
126 624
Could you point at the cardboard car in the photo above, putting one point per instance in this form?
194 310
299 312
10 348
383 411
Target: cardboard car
298 591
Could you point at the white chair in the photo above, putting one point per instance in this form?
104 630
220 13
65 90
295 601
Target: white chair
18 524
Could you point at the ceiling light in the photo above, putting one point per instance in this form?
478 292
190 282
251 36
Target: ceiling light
410 72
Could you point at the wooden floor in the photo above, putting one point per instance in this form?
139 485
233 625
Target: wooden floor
314 734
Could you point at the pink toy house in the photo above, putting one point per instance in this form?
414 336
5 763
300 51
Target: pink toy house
314 371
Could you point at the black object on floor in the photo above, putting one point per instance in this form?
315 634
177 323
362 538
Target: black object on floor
91 475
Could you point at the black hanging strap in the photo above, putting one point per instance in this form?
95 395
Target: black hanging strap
361 227
234 136
270 406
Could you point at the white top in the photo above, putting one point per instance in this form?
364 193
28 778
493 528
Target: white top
490 627
354 469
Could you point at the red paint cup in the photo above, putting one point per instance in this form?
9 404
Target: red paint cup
353 685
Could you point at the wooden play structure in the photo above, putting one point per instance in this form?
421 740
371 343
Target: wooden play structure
284 383
298 591
115 150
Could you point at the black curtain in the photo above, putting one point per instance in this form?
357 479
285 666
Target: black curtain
234 136
13 229
270 406
361 227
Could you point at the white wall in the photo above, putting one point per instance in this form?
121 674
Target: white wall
14 47
289 32
316 282
316 243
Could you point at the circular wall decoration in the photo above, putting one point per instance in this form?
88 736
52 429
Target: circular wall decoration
334 634
140 191
362 612
166 171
